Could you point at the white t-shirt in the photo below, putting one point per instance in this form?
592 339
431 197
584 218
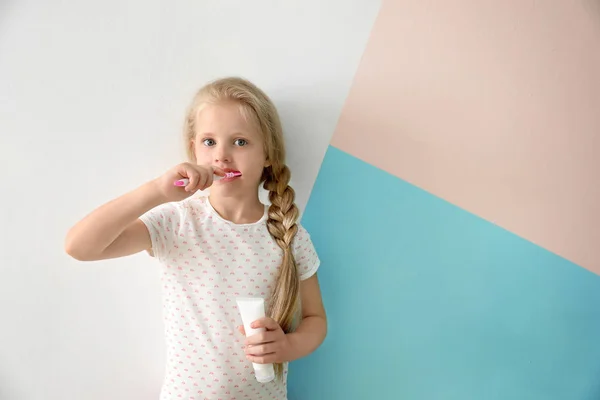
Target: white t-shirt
206 263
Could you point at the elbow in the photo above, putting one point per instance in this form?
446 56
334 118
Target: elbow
75 250
72 251
325 330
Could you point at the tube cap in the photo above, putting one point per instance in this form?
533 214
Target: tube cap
265 373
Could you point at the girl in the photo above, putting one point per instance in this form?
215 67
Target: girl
215 248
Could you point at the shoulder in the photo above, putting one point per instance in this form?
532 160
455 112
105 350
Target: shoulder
305 253
171 214
164 212
166 222
302 235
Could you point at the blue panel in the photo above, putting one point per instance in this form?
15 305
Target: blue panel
427 301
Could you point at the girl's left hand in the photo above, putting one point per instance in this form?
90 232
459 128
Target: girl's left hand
271 346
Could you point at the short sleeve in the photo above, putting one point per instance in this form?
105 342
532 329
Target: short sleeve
163 223
305 254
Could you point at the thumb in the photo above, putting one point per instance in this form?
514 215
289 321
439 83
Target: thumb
242 330
218 171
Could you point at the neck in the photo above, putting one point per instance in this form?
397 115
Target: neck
241 209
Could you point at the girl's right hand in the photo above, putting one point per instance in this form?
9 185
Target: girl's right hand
200 177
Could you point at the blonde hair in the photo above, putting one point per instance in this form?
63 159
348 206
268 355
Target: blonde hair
283 212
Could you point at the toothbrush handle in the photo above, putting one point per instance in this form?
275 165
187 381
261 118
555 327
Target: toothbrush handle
185 181
181 182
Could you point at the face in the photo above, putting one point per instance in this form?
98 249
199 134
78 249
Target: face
225 139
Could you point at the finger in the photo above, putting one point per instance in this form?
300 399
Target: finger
209 181
268 323
266 359
259 350
241 330
261 338
193 177
202 184
218 171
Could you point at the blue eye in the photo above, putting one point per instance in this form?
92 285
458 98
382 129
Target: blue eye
240 142
208 142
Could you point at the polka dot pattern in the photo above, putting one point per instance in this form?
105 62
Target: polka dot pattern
206 263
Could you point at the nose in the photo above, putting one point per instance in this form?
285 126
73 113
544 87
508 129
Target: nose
222 154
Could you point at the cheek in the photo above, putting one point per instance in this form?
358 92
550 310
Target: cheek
201 152
253 164
258 162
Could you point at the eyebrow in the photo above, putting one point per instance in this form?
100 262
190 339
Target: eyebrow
234 134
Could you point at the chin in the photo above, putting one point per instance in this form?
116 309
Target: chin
227 190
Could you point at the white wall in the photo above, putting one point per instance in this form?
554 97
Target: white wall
92 96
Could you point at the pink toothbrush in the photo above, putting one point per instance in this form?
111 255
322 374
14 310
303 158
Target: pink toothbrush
185 181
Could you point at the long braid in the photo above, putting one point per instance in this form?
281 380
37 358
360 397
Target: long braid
282 226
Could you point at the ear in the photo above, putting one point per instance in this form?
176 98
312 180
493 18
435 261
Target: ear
267 163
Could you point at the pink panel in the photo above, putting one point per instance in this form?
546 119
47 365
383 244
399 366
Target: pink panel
494 106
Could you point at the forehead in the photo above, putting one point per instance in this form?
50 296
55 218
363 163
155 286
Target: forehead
225 118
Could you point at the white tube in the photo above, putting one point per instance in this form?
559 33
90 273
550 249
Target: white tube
251 309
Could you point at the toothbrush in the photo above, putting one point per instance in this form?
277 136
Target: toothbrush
185 181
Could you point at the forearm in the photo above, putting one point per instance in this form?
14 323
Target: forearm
99 229
307 337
